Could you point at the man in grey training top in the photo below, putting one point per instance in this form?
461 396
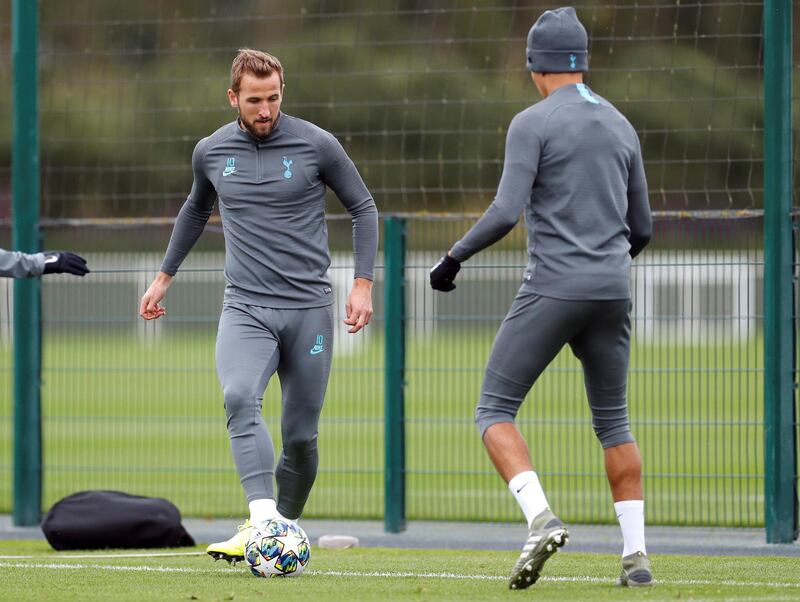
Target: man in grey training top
574 166
270 172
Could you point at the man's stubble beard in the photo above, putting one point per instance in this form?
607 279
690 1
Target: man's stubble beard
250 126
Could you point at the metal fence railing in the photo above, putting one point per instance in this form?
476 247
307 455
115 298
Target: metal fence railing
420 98
136 406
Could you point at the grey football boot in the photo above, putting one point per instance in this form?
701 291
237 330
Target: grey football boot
635 571
546 535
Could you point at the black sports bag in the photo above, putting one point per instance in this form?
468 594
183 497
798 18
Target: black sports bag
92 520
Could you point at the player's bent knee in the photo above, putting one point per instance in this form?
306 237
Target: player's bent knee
238 399
610 418
487 417
300 446
612 436
499 401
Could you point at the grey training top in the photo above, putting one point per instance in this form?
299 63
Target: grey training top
14 264
574 164
272 203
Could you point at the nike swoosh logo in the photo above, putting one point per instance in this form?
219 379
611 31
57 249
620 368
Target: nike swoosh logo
523 487
316 351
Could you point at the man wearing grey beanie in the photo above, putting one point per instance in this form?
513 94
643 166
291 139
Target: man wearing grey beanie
574 165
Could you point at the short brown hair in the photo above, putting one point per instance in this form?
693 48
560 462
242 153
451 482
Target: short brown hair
255 62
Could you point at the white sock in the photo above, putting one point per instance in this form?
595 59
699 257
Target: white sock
529 494
630 515
262 510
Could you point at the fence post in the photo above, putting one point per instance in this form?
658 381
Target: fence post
780 461
394 250
27 292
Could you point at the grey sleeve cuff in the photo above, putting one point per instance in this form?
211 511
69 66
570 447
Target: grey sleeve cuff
14 264
37 269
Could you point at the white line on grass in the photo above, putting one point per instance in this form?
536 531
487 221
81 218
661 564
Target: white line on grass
389 574
581 579
403 575
111 567
138 555
772 598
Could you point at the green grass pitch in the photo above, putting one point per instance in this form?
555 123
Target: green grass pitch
147 418
31 571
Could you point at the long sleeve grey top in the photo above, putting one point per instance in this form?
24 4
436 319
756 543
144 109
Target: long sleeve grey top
573 163
14 264
272 203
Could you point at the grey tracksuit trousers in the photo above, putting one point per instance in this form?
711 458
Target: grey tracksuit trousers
252 344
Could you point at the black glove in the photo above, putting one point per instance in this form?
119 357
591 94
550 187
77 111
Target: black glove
443 274
64 262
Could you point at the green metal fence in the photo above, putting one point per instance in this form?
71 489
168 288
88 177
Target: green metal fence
420 97
695 384
136 406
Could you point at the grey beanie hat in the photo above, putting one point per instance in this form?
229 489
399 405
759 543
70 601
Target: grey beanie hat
557 43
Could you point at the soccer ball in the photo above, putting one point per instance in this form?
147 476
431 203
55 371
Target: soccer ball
277 548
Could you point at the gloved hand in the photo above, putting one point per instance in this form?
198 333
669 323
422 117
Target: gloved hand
444 273
64 262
